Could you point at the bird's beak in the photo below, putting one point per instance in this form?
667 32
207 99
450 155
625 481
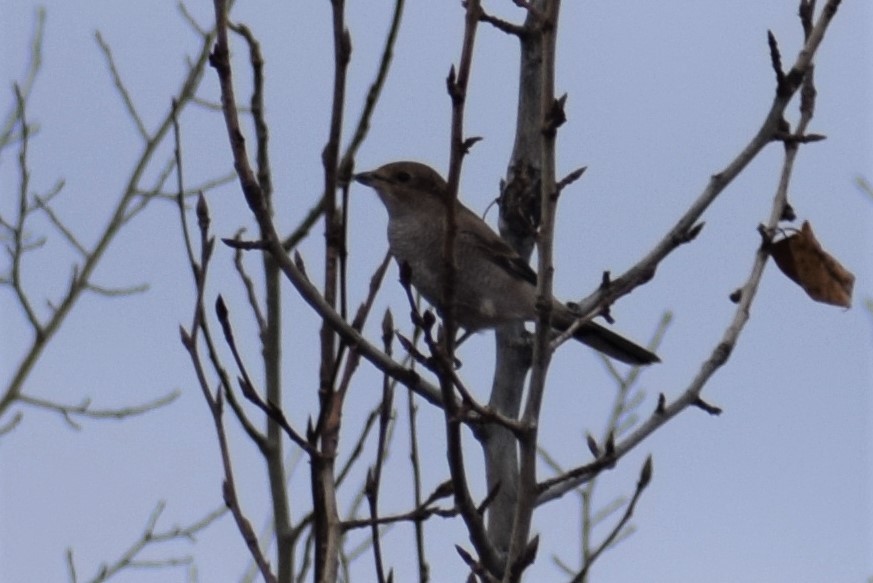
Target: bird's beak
366 178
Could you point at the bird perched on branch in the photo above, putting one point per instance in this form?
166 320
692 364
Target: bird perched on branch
493 284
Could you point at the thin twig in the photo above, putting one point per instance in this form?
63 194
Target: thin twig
249 286
150 536
84 408
25 86
374 475
415 462
18 244
642 483
503 25
120 86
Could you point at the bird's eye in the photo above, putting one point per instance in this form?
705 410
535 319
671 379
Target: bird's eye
402 176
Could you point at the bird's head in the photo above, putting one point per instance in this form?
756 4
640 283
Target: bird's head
404 185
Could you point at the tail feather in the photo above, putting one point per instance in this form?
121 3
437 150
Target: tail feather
604 340
614 345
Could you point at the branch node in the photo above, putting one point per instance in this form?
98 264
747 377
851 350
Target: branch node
661 408
592 445
555 117
645 474
776 63
711 409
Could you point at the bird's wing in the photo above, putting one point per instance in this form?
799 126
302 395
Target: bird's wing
479 234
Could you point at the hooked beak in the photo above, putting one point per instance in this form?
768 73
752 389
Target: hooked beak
366 178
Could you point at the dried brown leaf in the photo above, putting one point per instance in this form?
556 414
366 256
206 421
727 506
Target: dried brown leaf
801 257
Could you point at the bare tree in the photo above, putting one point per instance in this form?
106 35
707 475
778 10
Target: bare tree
507 427
238 348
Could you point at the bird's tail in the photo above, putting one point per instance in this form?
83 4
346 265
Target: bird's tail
604 340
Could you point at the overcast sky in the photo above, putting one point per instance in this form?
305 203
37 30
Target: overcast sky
661 96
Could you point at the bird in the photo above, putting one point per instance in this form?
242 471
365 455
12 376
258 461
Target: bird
493 284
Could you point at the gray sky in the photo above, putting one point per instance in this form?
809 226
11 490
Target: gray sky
661 96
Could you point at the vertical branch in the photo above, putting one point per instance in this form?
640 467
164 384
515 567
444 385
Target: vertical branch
334 248
271 343
519 219
270 332
326 523
374 476
414 459
550 118
456 84
457 87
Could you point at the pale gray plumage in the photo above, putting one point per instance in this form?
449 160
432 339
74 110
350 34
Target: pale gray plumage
493 284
